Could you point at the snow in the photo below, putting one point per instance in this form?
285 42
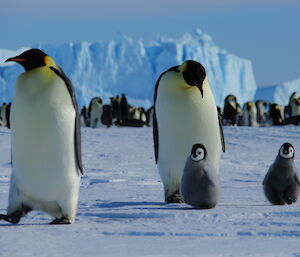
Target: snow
279 93
124 65
121 210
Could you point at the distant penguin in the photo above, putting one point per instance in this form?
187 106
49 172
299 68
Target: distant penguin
3 114
83 116
8 107
261 107
295 107
107 115
288 108
230 113
135 113
281 183
114 106
249 115
276 114
200 183
95 112
124 108
118 107
143 116
45 141
184 113
149 116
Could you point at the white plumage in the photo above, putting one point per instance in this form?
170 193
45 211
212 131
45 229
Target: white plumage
45 175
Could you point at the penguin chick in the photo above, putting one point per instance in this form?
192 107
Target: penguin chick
199 183
281 183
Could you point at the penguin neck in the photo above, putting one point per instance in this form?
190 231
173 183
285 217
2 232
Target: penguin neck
283 162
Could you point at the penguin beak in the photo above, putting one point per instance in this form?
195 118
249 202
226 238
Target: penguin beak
194 74
16 59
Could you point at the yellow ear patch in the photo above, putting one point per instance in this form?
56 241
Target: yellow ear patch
183 67
49 61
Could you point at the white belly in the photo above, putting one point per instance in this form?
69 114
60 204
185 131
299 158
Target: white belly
43 123
184 119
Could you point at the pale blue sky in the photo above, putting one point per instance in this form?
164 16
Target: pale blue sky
265 31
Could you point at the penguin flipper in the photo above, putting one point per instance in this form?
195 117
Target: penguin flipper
221 133
77 135
155 136
297 179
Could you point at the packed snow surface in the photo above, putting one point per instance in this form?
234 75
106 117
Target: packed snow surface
121 210
124 65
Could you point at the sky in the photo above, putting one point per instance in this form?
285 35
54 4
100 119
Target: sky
265 31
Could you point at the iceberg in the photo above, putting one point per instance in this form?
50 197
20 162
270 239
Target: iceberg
279 93
124 65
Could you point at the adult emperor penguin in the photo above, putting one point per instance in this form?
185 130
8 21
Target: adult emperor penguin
261 107
249 114
184 113
45 141
230 113
200 183
281 183
95 112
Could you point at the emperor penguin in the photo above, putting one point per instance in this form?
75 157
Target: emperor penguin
261 107
185 112
95 112
295 107
124 107
281 183
230 113
276 114
3 115
45 141
249 115
149 116
200 183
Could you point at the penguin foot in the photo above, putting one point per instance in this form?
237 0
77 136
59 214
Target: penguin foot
174 198
12 218
61 221
290 200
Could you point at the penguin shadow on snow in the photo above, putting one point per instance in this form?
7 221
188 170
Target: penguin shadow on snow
120 209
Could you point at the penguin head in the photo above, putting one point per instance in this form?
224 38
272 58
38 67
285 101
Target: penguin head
31 59
286 151
193 74
231 100
198 152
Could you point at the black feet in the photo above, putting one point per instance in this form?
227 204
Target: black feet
61 221
174 198
12 218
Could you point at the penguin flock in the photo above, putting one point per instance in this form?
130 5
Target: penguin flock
187 134
118 113
260 113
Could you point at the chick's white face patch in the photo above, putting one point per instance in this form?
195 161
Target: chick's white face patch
198 155
286 154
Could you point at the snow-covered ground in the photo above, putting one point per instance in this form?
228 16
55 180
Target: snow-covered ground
121 210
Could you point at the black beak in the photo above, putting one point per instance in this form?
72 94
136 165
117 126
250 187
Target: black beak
194 75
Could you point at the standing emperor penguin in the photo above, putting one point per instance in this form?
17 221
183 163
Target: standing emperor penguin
45 142
95 112
184 113
249 114
200 183
230 113
281 183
